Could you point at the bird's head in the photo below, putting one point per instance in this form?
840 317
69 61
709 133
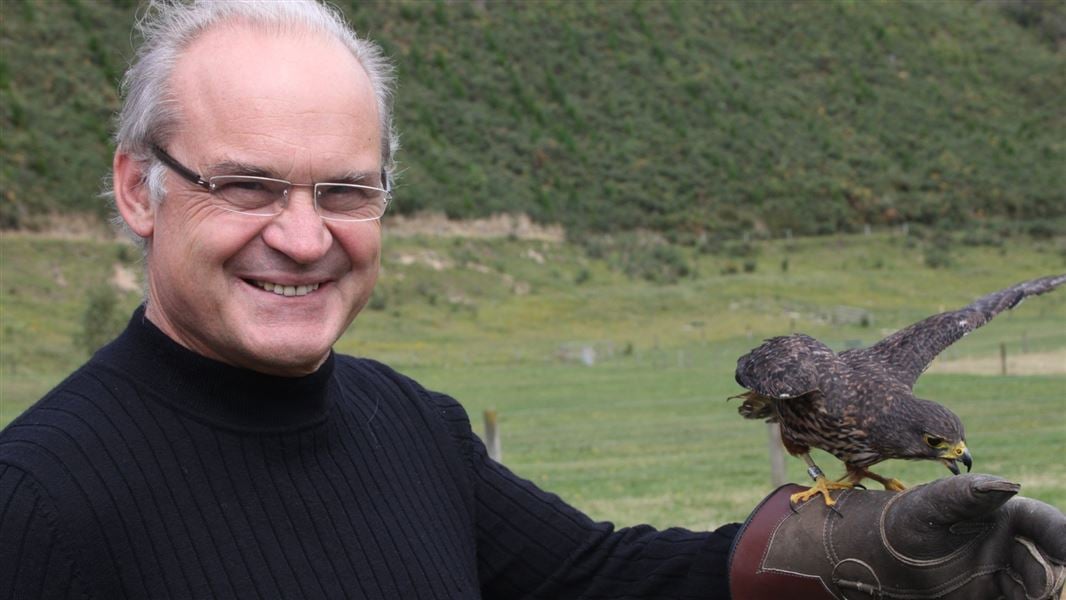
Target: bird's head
939 435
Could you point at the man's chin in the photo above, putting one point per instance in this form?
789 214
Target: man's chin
286 366
286 358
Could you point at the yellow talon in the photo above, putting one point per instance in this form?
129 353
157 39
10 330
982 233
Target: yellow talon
893 485
821 486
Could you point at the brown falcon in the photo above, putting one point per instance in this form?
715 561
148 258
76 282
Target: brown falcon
859 405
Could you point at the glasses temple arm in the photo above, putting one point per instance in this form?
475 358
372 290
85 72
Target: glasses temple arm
179 168
385 183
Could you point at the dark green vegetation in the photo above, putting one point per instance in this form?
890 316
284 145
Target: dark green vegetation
687 117
645 433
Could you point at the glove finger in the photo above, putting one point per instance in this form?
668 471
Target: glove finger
917 522
1032 569
1042 523
951 500
1009 588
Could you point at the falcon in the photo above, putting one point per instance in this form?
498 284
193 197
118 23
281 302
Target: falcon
859 405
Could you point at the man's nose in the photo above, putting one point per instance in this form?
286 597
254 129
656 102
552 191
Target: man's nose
298 231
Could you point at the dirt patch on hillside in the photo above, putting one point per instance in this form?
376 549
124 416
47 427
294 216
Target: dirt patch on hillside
1031 363
497 226
427 258
124 278
74 226
428 224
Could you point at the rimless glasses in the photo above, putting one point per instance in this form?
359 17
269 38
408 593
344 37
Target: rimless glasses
266 196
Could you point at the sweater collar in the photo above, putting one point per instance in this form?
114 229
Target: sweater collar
215 392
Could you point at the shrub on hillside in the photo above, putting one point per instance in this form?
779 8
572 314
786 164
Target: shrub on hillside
660 264
379 298
101 321
981 237
938 252
741 249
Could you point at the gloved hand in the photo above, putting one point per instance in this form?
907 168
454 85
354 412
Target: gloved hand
961 537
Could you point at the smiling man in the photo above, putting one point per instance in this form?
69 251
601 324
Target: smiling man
268 288
220 449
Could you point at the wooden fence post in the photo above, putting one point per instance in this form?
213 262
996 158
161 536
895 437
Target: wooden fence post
492 436
777 455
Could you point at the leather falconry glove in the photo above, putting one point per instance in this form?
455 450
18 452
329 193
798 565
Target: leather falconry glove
964 537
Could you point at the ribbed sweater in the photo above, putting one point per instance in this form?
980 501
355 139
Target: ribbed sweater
153 472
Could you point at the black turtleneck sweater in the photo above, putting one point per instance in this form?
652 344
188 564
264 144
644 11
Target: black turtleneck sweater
153 472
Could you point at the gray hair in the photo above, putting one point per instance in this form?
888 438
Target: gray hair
149 114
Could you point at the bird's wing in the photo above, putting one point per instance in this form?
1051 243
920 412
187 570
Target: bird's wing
908 352
786 367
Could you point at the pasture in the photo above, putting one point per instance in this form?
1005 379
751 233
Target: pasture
611 387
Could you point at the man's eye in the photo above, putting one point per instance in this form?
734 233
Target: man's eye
346 197
242 186
248 194
338 190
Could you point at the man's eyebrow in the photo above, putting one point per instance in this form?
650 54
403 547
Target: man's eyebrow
236 167
357 176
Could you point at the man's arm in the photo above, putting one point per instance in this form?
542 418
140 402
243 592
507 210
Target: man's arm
33 562
532 544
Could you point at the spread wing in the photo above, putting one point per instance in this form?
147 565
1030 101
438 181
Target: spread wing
787 367
907 353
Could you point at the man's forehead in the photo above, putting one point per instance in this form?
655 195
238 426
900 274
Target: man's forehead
255 96
241 62
249 43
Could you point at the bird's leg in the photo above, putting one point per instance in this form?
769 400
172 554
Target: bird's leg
855 484
821 484
857 474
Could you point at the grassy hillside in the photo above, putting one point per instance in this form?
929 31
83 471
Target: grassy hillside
645 433
676 116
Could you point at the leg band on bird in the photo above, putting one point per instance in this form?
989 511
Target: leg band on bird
821 484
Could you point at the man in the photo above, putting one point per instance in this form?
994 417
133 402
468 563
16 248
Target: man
219 448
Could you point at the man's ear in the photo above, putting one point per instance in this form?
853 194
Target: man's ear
131 195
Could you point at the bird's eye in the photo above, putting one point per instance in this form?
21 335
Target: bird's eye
934 441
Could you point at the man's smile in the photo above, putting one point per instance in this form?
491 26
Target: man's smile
285 290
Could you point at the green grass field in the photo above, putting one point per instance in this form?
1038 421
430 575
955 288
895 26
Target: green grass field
646 433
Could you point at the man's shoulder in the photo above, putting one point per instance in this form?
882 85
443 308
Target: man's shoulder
380 379
347 363
62 418
371 371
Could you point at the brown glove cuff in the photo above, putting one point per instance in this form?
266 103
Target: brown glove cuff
748 579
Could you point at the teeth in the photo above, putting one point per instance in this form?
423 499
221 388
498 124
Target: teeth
287 290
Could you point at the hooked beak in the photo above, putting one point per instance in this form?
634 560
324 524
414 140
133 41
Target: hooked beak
958 452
